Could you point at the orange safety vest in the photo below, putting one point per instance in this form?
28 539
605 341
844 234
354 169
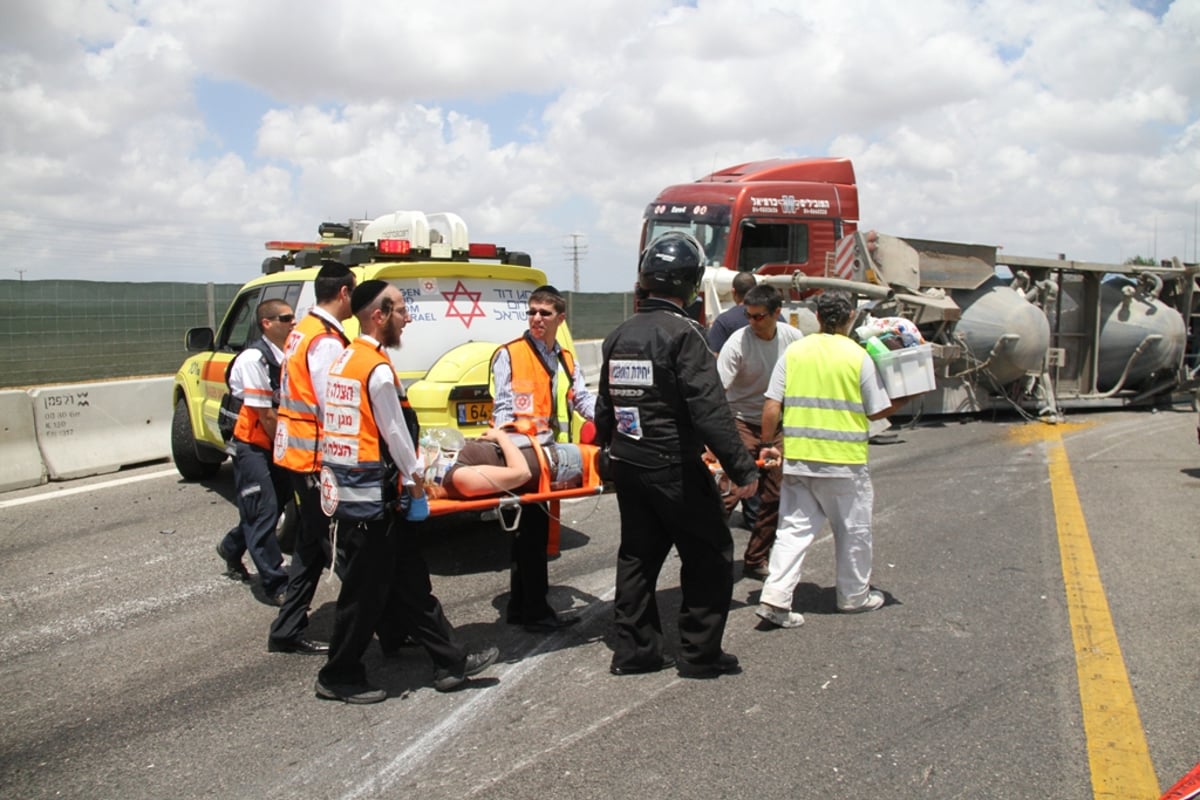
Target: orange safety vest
534 399
298 431
248 427
353 471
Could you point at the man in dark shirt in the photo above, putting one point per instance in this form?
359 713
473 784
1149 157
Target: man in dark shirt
731 319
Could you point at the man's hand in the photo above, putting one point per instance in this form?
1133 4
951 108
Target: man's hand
749 490
769 456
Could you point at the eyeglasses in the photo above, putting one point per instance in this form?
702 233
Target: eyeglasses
542 312
283 317
759 316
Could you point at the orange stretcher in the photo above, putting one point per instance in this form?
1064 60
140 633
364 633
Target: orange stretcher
591 487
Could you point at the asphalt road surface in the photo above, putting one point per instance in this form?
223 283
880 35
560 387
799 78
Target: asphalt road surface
133 669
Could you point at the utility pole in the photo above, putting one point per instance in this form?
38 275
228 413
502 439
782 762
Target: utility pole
576 251
20 274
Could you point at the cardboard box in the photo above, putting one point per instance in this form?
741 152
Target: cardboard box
907 371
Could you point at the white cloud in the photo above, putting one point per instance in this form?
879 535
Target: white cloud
1070 127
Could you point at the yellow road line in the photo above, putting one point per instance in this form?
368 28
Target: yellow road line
1116 744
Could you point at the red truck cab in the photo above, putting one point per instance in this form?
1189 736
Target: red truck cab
772 217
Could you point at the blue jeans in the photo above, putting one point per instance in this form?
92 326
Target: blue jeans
262 492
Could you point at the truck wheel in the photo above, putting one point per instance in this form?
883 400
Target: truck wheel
287 528
183 448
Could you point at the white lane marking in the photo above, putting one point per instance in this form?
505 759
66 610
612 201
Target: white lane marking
416 754
97 620
54 493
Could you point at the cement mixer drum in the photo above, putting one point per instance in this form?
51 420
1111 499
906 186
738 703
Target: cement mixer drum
999 323
1129 318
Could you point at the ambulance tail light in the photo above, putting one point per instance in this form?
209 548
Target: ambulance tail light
394 247
475 250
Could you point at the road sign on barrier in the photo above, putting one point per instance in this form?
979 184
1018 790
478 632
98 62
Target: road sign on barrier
93 428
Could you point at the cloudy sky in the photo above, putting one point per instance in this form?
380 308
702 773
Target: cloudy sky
168 139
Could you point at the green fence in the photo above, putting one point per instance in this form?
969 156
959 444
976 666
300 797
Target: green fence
592 316
67 331
70 331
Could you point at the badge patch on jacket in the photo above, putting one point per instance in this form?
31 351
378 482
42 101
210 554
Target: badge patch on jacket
628 372
629 421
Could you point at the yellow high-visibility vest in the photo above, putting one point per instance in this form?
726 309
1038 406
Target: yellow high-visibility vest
823 416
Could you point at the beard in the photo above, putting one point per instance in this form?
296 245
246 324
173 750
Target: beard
389 334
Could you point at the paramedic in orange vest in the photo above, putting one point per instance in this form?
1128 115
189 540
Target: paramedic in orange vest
262 488
312 347
369 464
536 385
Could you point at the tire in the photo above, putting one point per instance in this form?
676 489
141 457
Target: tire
183 447
289 524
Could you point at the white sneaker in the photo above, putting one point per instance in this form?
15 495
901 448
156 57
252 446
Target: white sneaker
778 617
874 600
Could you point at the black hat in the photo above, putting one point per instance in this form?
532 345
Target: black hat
365 293
332 269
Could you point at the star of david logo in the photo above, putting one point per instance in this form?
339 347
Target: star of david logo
460 293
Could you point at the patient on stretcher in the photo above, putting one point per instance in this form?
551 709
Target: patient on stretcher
499 462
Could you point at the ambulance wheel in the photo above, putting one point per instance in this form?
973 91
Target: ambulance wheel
288 526
183 448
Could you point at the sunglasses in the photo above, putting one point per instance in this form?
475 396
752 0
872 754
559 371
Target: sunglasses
758 317
542 312
283 317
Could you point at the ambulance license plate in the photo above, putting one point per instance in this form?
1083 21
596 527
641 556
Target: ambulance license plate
474 413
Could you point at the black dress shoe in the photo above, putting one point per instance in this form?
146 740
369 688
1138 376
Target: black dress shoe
302 646
643 669
475 663
358 694
234 568
550 624
726 664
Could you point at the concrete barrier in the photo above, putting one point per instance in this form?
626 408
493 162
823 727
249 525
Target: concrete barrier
587 352
94 428
20 460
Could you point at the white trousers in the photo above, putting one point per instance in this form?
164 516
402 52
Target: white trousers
805 503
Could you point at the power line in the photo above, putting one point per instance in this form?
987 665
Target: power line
576 251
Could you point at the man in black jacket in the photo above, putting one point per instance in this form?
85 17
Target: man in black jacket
661 402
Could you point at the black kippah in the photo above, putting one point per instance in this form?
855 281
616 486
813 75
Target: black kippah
547 288
365 293
333 269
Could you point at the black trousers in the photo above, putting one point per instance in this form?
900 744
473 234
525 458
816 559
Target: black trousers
309 558
676 505
385 587
529 575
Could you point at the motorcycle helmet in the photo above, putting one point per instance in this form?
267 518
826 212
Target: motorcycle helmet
672 265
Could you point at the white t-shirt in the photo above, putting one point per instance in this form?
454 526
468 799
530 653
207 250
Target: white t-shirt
745 364
875 399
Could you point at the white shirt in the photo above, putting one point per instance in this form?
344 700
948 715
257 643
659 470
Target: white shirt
321 357
249 379
389 417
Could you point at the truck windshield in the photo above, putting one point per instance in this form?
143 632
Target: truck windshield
713 237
